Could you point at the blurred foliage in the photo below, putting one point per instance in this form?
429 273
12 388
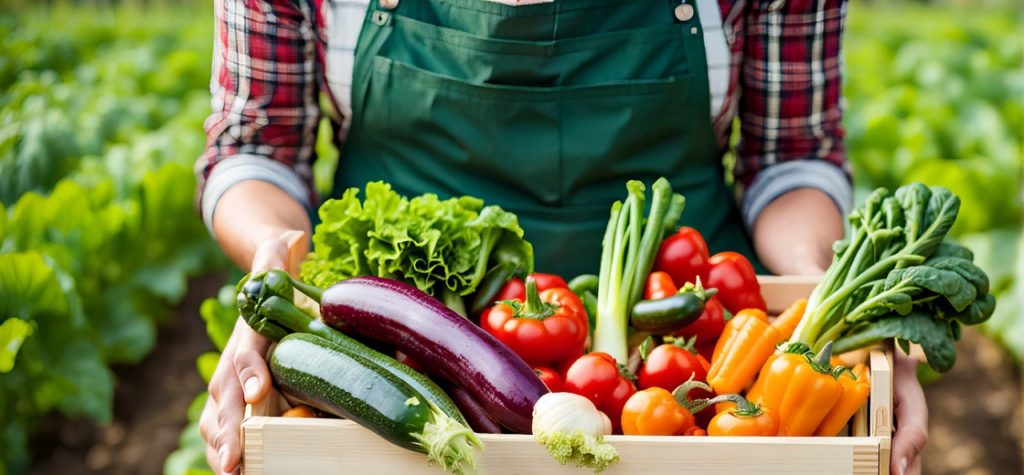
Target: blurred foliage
937 95
100 122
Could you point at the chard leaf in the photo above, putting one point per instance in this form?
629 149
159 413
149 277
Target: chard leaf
951 249
957 290
978 311
967 269
913 198
939 216
935 337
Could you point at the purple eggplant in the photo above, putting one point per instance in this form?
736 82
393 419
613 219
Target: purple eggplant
471 410
422 327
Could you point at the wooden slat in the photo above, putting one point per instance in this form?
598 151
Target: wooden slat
780 291
326 446
276 445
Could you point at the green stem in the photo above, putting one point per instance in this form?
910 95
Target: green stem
311 291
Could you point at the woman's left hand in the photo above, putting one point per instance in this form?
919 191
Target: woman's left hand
911 413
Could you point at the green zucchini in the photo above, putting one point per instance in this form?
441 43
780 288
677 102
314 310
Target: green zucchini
284 317
328 377
668 314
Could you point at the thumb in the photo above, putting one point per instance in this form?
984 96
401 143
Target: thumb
251 366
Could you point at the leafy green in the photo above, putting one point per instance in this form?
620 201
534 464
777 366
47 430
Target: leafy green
443 247
894 276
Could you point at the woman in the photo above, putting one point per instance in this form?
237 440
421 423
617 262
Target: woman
545 108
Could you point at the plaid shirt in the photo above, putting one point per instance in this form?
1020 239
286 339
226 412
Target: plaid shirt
273 58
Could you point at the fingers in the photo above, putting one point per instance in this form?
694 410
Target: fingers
251 369
911 414
283 252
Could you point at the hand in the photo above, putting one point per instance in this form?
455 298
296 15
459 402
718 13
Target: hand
242 376
911 414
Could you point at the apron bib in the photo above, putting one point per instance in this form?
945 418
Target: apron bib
545 110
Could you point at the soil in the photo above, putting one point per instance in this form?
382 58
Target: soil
975 410
151 401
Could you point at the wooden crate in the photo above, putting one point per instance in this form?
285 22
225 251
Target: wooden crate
277 445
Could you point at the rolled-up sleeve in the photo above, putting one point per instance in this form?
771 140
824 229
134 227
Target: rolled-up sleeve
264 101
790 113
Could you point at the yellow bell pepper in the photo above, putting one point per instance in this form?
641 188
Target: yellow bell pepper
856 386
801 388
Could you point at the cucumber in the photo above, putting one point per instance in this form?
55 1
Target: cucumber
328 377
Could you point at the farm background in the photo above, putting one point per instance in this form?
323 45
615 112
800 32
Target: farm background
106 266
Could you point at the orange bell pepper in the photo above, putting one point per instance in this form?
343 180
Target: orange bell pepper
788 320
655 411
802 389
856 386
745 420
747 341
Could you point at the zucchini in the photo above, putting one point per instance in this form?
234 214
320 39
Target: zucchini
282 317
671 313
328 377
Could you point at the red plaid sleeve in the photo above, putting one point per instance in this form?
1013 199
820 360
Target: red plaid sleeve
264 88
790 80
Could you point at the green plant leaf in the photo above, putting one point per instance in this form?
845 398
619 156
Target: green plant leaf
13 333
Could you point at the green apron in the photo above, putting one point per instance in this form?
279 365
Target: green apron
545 109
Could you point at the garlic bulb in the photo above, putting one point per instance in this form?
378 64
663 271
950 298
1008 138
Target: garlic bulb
567 413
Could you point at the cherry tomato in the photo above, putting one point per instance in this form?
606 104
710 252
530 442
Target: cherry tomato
653 411
596 376
736 281
671 364
550 378
684 256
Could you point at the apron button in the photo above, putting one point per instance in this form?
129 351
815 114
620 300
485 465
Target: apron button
683 12
389 4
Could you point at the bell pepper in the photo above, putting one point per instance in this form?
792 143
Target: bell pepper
803 388
549 328
659 286
515 288
736 281
788 320
856 386
745 420
655 411
785 323
596 376
684 256
746 343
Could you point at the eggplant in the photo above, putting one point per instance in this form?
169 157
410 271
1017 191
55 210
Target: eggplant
476 415
422 327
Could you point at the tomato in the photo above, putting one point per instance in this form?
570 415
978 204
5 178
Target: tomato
515 289
736 281
653 411
596 376
707 327
671 364
550 378
659 285
550 327
684 256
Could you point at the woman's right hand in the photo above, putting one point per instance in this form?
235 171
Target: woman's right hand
242 376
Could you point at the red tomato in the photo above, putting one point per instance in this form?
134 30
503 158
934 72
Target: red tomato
596 376
684 256
550 378
672 364
707 327
736 281
515 289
